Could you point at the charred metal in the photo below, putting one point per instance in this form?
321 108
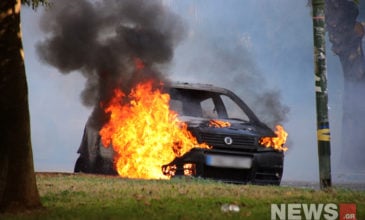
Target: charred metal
236 154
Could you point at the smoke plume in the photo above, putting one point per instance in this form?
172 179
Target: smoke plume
104 39
231 65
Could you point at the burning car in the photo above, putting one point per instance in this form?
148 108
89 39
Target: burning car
230 143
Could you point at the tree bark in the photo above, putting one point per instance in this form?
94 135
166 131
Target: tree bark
18 189
345 34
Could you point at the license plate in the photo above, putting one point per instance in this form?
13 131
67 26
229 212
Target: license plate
228 161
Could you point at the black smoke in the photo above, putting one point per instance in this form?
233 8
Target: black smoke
103 40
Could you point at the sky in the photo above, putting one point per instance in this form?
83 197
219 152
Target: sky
270 42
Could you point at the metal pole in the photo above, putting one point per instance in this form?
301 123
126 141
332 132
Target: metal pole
323 129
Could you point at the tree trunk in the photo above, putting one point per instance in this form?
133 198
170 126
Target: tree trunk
18 189
346 34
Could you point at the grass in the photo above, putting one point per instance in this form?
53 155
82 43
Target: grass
103 197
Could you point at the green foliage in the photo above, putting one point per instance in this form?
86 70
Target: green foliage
104 197
35 3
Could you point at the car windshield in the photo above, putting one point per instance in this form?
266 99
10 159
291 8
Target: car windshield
205 104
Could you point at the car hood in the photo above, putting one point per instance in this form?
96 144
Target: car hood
236 126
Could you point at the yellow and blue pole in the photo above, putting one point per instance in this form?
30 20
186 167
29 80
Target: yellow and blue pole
323 128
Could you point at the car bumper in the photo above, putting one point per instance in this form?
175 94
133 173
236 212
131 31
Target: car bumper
235 167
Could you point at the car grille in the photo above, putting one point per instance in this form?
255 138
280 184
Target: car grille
238 141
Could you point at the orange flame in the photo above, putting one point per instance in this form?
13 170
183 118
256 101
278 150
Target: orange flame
276 142
219 124
145 133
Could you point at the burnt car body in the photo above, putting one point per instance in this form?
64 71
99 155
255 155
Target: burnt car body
236 155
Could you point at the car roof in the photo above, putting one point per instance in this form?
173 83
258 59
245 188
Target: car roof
198 86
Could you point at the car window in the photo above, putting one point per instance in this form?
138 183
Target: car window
176 106
186 102
233 110
186 107
208 108
205 104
